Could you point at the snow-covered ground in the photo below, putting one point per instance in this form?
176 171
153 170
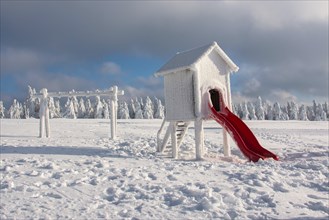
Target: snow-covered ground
79 173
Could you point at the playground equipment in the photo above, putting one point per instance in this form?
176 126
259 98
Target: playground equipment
113 93
197 88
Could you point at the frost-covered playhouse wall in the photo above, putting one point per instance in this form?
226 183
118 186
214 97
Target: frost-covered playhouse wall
191 78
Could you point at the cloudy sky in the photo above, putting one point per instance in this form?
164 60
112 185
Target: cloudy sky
281 47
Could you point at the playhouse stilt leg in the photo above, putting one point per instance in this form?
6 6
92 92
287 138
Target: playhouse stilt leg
47 125
113 115
199 138
226 143
41 125
174 141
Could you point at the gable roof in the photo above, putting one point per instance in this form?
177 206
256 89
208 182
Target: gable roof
184 60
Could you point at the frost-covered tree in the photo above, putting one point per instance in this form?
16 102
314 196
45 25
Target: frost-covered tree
52 107
138 110
159 113
15 109
26 112
320 115
2 110
235 109
131 108
69 109
89 109
123 111
293 111
36 107
30 103
75 104
284 113
277 115
269 112
106 112
57 109
326 109
302 113
244 112
81 108
239 110
310 113
259 110
99 108
251 110
141 103
148 112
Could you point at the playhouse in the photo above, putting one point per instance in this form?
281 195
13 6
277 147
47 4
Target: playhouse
197 88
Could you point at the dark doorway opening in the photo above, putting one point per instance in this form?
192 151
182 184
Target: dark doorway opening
215 99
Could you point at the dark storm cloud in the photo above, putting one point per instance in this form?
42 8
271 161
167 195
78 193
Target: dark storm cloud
279 46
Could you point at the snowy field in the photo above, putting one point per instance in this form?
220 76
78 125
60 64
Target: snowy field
79 173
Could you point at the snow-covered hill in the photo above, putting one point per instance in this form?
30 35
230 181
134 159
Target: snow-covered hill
79 173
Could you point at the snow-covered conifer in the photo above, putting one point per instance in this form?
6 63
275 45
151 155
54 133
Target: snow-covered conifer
302 113
277 115
293 113
123 111
89 109
259 110
284 113
310 113
106 111
235 109
244 111
75 104
81 108
15 110
99 108
320 115
2 110
138 110
21 110
141 102
26 112
57 109
131 108
269 112
148 112
30 103
251 110
159 113
69 109
52 108
326 109
36 107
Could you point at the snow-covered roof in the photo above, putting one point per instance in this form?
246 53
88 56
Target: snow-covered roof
185 60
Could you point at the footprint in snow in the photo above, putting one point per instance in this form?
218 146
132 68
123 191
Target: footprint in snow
54 195
152 176
279 187
171 178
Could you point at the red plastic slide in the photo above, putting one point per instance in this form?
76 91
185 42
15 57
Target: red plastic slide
242 135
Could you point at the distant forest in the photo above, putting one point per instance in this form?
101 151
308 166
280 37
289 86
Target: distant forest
152 107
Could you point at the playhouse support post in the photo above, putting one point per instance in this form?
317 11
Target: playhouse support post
227 147
199 138
41 125
115 97
226 141
113 115
113 105
174 141
44 115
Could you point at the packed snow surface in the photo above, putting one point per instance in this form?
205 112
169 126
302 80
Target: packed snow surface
79 173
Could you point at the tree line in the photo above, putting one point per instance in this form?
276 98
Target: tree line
149 108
